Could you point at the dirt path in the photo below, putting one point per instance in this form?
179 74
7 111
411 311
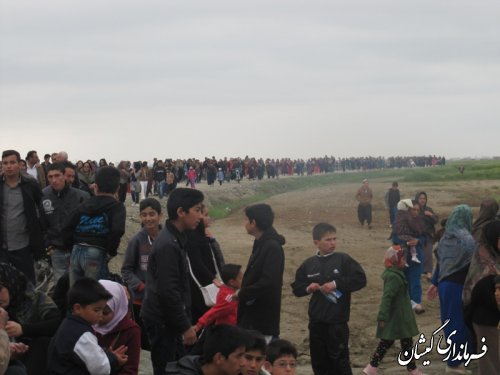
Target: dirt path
296 213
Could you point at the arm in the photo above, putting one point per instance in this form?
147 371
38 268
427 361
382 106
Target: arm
117 229
222 307
391 287
46 319
353 278
133 344
131 263
96 360
4 342
301 283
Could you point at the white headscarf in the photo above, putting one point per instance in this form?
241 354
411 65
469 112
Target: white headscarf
404 204
118 304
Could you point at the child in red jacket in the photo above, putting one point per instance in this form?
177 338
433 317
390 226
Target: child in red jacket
225 310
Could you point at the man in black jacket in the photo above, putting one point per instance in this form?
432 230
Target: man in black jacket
260 294
21 234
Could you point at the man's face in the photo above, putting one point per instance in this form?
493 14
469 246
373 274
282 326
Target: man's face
327 243
54 157
252 362
34 158
284 365
56 180
69 175
10 166
232 364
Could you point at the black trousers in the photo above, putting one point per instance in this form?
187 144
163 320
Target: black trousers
365 213
329 346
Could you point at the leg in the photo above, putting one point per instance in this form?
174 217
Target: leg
95 265
360 214
414 284
407 346
75 264
60 263
369 214
380 351
338 349
427 259
317 347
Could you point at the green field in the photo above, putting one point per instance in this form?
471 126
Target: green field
221 206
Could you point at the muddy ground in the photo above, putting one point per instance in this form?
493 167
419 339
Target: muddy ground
296 213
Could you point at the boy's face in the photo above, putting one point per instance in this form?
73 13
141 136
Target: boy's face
250 226
327 243
92 313
284 365
232 364
150 218
236 282
189 220
252 362
497 295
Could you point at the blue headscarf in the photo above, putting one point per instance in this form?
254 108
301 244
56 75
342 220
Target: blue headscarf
457 245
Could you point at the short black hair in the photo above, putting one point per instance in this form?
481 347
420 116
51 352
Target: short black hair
321 229
30 154
279 348
262 214
184 198
150 202
107 179
56 167
223 339
256 342
229 272
46 156
87 291
10 153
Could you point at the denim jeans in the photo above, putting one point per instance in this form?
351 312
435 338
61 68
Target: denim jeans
162 187
87 261
60 263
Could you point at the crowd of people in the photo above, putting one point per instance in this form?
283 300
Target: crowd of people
95 322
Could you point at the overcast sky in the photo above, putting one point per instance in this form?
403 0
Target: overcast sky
142 79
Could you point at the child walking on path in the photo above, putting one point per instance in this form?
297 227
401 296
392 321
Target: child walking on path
395 317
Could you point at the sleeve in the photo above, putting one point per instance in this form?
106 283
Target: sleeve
96 360
169 263
130 264
67 232
300 283
224 306
4 351
391 287
200 269
117 229
353 277
269 274
133 352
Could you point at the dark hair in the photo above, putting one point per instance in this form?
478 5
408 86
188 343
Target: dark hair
262 214
30 154
46 156
107 179
56 167
150 202
184 198
321 229
256 341
223 339
10 153
86 291
229 272
68 164
279 348
395 183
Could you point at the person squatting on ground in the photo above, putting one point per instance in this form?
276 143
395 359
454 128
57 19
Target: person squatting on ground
330 277
395 317
364 196
96 228
260 294
167 301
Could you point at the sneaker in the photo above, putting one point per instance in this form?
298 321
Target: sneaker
415 259
370 370
457 370
416 371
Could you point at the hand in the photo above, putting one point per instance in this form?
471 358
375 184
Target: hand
412 242
381 323
4 318
217 282
189 337
328 287
18 348
428 213
120 355
13 329
432 292
313 287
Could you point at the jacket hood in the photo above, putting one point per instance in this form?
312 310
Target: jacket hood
99 204
271 234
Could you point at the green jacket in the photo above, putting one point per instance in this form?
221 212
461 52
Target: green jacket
395 307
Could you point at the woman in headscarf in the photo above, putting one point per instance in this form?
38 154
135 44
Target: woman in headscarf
408 232
117 328
478 296
454 254
430 219
33 319
487 213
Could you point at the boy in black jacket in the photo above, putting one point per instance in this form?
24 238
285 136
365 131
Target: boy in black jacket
74 349
95 229
330 277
